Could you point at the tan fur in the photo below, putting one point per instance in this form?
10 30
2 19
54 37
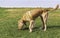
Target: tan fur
30 16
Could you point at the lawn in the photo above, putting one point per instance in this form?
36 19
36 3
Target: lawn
8 24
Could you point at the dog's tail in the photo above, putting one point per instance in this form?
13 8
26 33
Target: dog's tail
57 6
52 9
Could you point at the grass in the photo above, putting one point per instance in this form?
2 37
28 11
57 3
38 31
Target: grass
8 25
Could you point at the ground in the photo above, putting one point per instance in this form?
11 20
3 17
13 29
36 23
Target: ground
8 24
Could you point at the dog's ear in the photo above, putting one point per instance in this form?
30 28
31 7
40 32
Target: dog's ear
24 22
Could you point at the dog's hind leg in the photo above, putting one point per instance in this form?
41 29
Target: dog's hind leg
44 20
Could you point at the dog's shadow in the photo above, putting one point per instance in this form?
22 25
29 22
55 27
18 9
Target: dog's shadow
48 27
57 27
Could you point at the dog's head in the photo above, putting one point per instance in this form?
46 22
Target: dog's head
20 24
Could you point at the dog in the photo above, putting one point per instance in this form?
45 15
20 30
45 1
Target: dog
31 15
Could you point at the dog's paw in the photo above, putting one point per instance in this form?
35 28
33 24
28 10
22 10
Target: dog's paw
44 29
30 31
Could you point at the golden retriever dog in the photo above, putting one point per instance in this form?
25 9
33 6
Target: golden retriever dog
31 15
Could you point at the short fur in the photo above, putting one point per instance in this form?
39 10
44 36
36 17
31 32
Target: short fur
30 16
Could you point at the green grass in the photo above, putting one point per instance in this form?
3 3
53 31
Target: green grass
8 25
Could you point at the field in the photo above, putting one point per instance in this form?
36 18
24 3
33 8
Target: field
8 24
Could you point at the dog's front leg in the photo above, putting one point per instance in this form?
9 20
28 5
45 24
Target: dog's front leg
31 25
